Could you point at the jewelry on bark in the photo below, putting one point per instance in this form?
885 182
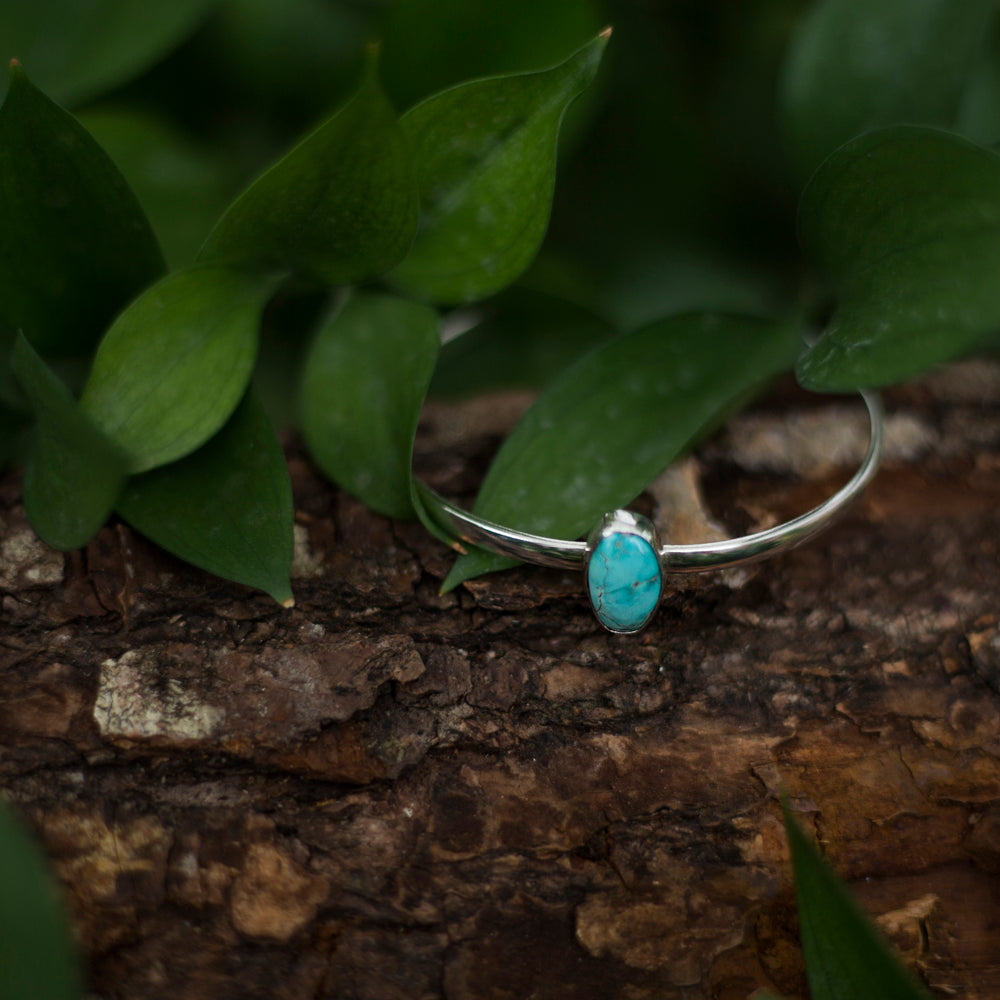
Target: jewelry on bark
625 563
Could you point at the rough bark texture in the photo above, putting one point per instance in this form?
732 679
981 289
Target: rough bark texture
385 793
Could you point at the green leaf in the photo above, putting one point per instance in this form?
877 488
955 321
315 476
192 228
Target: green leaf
74 244
74 473
906 223
172 368
846 956
37 957
362 389
181 185
77 51
862 64
340 207
226 508
486 159
608 425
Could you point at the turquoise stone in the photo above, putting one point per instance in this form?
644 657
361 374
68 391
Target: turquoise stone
623 580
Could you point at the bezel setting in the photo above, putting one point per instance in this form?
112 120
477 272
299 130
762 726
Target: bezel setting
623 571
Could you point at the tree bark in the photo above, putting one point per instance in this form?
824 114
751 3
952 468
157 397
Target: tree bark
386 793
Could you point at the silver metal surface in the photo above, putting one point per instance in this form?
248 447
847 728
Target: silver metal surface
464 527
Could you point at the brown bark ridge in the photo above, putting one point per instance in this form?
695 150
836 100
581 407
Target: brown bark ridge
385 793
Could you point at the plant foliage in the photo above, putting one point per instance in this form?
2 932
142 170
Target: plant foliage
75 246
79 50
340 207
847 958
485 156
226 507
37 957
854 68
172 367
71 457
363 387
906 222
352 249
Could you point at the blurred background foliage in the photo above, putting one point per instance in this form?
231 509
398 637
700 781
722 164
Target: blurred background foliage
674 191
679 179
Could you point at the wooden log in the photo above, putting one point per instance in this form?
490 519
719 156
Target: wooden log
387 793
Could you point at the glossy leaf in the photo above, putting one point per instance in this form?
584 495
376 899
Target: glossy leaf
77 51
362 390
906 223
74 473
486 158
37 955
172 368
846 956
226 508
340 207
74 243
613 421
862 64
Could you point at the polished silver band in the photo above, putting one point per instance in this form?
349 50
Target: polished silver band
464 527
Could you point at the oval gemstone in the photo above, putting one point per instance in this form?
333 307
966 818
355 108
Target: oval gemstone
623 581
